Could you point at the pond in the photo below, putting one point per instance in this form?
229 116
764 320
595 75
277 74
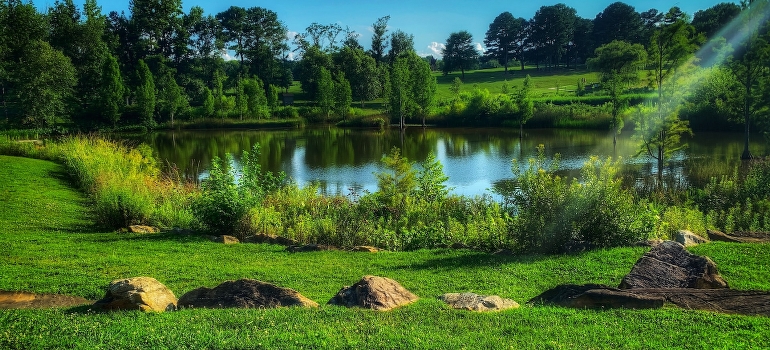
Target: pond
475 159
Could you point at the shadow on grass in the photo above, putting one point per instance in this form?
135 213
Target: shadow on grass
451 259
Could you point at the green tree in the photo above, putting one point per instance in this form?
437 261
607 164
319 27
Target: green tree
361 71
401 43
157 22
749 62
618 64
398 182
431 180
399 90
379 39
44 79
671 45
711 20
423 94
505 39
112 91
552 29
171 97
208 102
256 99
145 95
524 104
325 95
456 86
459 52
343 97
618 22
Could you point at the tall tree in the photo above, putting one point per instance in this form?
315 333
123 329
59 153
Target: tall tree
234 31
112 91
619 21
379 39
749 63
398 90
459 52
325 94
157 22
671 45
145 95
552 29
618 64
343 96
361 71
505 38
711 20
45 78
171 98
400 44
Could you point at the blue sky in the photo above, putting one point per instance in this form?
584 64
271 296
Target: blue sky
430 22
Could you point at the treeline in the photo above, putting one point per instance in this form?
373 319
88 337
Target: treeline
158 64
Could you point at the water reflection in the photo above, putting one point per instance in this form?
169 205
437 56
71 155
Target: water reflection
474 159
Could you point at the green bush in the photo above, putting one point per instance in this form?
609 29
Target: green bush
549 211
224 202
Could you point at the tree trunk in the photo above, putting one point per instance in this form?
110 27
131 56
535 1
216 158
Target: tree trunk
747 116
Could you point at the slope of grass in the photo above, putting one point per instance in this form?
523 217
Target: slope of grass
48 245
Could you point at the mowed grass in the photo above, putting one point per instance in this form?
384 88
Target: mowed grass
48 245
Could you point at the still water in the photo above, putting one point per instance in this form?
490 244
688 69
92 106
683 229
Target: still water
474 159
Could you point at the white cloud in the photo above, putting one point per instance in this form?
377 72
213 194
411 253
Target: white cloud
226 55
436 48
291 34
479 47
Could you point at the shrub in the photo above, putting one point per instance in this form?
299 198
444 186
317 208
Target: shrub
548 211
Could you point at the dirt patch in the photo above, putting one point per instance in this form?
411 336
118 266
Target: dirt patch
26 300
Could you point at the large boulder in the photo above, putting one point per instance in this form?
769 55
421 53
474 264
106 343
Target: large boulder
244 293
743 238
137 293
669 265
475 302
689 239
596 296
374 292
142 229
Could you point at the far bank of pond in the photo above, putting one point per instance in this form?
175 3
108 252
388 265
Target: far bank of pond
474 159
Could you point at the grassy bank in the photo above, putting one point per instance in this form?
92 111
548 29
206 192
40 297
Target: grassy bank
48 244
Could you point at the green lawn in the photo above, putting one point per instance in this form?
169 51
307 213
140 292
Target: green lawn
48 245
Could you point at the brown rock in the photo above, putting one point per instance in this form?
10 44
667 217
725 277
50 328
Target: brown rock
649 243
744 238
142 229
689 239
716 300
475 302
364 248
244 293
309 248
25 300
596 296
225 239
669 265
730 301
373 292
137 293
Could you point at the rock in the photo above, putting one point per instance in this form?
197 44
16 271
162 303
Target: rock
373 292
137 293
309 248
716 300
475 302
649 243
596 296
244 293
225 239
364 248
689 239
669 265
270 239
142 229
744 238
25 300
